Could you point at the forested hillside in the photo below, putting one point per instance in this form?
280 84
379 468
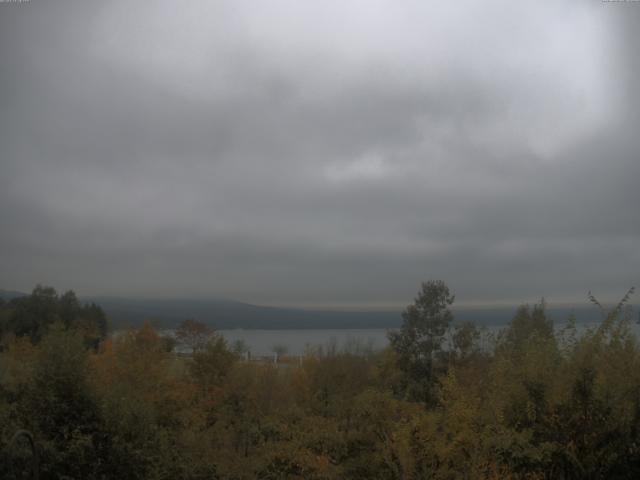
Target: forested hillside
532 402
132 312
226 314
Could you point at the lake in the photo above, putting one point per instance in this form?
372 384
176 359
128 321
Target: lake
296 342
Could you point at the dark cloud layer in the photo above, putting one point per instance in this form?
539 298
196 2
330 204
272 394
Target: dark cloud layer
320 155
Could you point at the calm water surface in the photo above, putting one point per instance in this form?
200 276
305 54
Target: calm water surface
296 342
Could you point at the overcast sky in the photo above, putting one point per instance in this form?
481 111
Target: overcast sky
321 153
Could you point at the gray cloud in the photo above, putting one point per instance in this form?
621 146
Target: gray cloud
324 155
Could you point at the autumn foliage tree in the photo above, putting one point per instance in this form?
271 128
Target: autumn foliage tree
193 335
535 402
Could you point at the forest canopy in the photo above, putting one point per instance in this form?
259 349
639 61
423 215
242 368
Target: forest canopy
33 316
444 400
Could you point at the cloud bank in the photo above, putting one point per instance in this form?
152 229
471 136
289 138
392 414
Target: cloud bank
324 154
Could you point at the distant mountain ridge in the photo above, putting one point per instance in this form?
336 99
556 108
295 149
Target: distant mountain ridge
9 294
228 314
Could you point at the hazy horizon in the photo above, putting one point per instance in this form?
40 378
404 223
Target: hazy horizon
329 155
512 305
